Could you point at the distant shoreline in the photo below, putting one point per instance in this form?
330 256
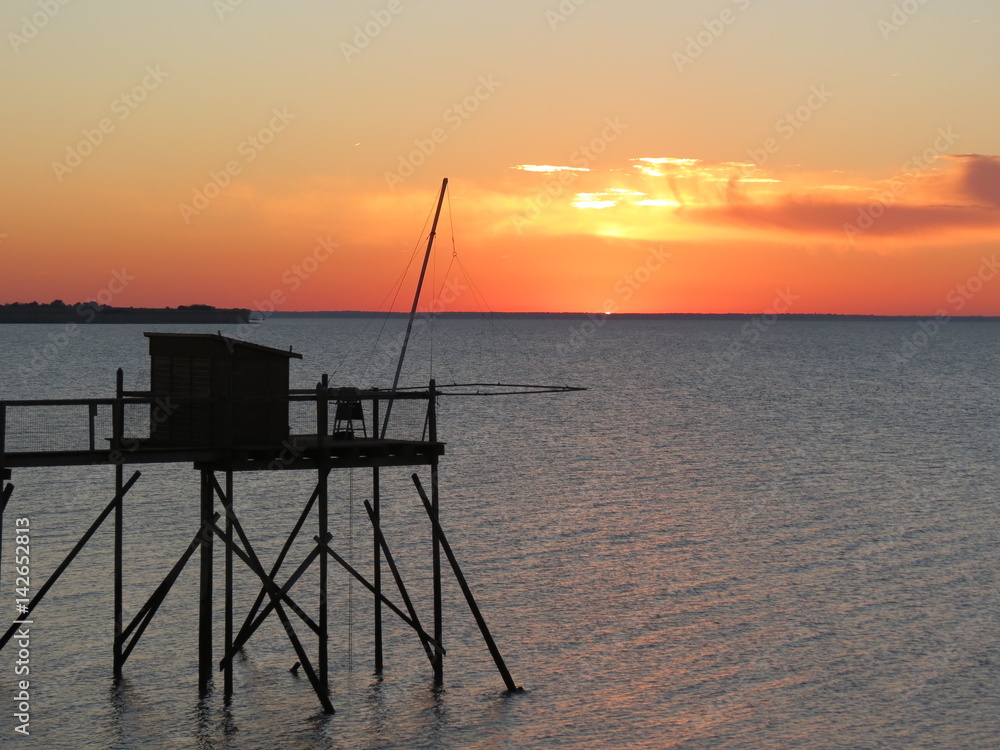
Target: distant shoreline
204 314
91 313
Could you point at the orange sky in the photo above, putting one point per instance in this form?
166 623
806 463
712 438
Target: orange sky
628 157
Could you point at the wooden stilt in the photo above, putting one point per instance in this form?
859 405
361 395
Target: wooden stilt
487 636
118 661
50 582
435 543
317 683
323 509
367 584
374 512
148 610
324 569
249 557
276 595
247 629
205 612
228 642
380 540
117 440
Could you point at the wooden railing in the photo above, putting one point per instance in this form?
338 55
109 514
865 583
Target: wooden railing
131 419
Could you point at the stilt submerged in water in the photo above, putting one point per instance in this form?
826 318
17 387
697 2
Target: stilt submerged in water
223 406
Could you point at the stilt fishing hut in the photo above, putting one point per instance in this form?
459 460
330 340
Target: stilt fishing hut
223 406
243 387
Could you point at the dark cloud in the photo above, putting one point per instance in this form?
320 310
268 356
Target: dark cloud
980 178
826 217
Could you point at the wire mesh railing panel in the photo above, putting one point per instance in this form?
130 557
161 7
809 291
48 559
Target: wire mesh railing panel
157 422
302 417
31 429
407 421
103 426
139 420
47 427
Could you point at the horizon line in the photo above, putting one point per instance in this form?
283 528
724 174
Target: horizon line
252 314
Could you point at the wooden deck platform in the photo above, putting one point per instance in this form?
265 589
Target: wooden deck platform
146 428
296 453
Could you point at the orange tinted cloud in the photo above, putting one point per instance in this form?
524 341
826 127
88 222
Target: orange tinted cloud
950 198
960 200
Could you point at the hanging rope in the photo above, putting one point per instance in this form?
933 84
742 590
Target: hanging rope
394 291
388 312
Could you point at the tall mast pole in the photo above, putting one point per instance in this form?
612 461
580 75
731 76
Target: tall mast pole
416 300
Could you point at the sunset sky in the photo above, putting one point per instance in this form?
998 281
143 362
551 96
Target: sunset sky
628 156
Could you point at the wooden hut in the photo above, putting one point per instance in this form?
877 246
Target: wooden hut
245 386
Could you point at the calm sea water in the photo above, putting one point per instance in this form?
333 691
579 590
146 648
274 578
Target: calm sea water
773 537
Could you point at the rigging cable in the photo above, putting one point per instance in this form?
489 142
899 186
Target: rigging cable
398 288
490 316
357 340
394 291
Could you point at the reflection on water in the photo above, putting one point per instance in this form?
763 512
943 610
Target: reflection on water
800 550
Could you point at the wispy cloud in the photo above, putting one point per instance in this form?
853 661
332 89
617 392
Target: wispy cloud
548 168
